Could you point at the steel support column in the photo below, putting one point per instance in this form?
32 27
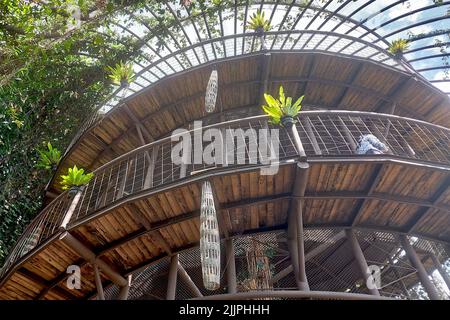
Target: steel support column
441 270
98 284
360 259
123 293
172 279
423 275
295 227
184 276
231 266
88 255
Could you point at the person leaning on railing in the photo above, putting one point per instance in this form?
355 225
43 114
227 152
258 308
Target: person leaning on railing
369 144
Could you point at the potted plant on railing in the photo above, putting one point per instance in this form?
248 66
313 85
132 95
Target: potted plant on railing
283 112
122 74
75 180
260 25
49 159
398 47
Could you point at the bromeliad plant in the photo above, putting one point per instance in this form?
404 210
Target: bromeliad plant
75 179
49 159
282 111
121 74
398 47
258 23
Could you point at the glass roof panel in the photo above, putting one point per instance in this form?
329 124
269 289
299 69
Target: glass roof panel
193 35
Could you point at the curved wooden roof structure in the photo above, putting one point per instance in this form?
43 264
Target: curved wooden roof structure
141 209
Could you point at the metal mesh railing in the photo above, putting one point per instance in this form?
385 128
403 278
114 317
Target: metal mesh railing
323 134
330 266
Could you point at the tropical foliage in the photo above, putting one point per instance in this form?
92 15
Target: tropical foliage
277 109
49 158
398 47
258 22
75 178
121 74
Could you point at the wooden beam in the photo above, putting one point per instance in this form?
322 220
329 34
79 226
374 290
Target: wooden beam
42 282
438 197
139 125
147 225
376 177
90 256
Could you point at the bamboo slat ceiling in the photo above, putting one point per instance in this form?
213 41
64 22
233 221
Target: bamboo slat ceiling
327 81
247 201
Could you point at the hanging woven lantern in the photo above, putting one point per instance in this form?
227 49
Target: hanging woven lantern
211 92
209 240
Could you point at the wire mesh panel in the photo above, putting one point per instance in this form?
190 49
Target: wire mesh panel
262 260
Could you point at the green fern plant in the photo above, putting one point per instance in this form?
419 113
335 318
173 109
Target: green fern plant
398 47
121 74
258 22
282 111
49 159
75 178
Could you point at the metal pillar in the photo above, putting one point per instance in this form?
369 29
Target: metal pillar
172 280
295 227
187 279
423 275
98 284
89 256
123 293
231 266
444 274
360 259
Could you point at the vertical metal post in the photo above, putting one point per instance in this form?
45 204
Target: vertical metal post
360 259
231 266
123 293
388 127
71 209
293 132
348 135
443 273
293 248
149 177
295 227
172 280
423 275
301 247
98 284
311 136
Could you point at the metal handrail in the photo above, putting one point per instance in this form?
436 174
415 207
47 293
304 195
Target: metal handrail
323 134
383 58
